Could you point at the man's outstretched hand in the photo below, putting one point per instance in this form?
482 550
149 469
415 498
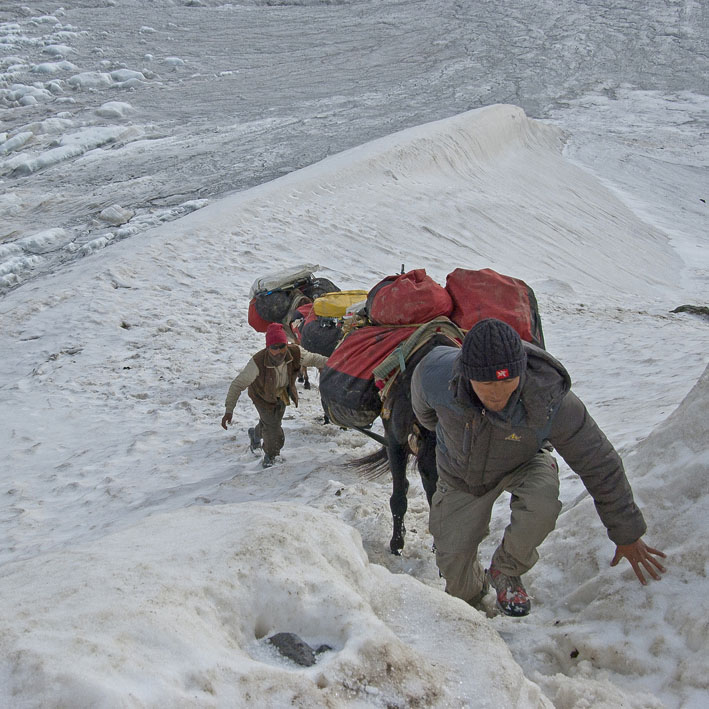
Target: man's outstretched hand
227 419
640 556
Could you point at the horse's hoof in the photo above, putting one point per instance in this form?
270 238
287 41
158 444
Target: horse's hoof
396 547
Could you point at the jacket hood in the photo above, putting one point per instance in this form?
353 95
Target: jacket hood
546 384
543 365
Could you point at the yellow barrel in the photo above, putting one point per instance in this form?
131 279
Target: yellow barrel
334 305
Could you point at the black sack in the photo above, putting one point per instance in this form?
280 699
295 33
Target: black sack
273 306
321 335
318 287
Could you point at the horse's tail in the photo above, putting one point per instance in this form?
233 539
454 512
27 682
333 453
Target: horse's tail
371 466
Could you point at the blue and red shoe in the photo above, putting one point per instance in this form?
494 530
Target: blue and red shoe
512 598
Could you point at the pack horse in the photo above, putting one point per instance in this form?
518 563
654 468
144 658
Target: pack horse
370 372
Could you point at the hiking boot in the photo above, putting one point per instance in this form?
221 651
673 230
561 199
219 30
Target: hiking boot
254 442
512 598
267 461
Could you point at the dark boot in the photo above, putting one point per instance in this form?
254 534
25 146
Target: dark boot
267 461
254 441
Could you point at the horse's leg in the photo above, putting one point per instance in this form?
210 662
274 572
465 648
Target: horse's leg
426 459
303 377
398 503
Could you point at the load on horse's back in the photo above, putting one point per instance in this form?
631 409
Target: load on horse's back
277 296
286 297
321 329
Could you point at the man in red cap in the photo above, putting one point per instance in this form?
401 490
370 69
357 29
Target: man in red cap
269 376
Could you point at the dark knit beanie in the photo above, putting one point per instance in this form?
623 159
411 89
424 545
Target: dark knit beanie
492 351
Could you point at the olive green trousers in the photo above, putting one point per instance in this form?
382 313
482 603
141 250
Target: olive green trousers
459 521
269 427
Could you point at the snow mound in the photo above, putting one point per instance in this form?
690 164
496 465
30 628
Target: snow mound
506 195
655 635
114 109
161 615
71 146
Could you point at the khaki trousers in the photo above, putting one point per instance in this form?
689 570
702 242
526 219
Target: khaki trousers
459 521
269 427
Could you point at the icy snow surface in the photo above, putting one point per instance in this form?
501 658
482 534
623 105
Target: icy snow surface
146 555
154 105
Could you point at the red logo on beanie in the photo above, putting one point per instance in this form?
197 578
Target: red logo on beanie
502 373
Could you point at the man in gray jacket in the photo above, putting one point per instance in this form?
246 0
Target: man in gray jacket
498 406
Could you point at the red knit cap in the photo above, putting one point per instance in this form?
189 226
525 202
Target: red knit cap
275 335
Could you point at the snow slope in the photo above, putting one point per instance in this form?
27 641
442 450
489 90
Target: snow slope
148 555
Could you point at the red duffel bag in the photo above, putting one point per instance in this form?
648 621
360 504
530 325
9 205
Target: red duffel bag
255 320
412 298
348 392
477 295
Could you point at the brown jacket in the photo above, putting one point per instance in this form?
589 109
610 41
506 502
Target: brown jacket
264 389
267 382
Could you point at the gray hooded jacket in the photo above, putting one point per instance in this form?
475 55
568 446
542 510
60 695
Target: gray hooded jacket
477 448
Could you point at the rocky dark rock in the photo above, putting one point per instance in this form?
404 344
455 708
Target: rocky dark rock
294 648
693 310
